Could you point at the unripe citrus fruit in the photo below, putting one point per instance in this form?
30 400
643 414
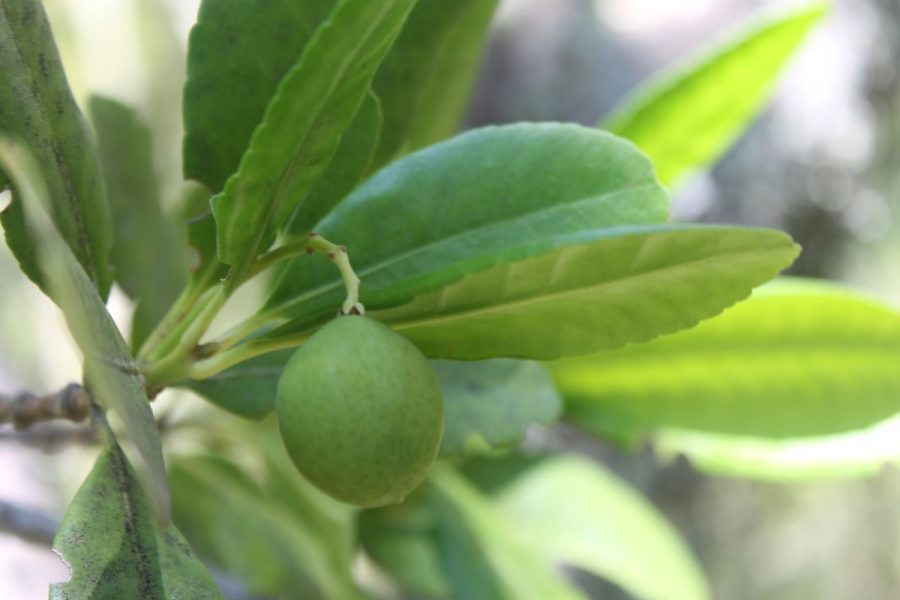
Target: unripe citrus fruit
360 412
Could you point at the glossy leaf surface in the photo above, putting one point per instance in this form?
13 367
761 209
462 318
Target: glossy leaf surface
467 204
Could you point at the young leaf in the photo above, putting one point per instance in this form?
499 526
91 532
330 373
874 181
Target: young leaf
348 167
302 126
110 373
116 548
38 110
484 197
597 290
239 51
247 389
148 254
490 404
577 513
687 118
426 78
797 359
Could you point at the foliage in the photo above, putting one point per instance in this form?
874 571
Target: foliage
322 134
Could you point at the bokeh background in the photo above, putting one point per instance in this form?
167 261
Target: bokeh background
819 162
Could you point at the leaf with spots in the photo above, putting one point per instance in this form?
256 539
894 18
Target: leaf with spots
116 548
37 108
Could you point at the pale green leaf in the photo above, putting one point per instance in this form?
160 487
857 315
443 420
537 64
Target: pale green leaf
490 404
598 290
577 513
487 196
37 108
427 77
686 118
797 359
239 51
112 376
479 536
302 126
116 548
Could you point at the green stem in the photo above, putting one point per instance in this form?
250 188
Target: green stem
277 255
218 362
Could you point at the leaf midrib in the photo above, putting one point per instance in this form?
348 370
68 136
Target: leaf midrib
581 290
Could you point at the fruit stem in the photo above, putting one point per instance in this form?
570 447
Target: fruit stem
338 255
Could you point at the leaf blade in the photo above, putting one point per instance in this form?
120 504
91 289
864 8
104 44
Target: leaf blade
686 118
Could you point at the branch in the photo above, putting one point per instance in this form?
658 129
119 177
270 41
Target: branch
72 402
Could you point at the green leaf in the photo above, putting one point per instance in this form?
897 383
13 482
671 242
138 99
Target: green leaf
487 196
115 547
302 126
273 548
688 117
427 77
38 110
112 376
859 453
474 536
797 359
247 389
148 255
348 167
490 404
239 51
598 290
579 514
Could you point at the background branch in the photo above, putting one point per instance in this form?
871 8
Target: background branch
72 402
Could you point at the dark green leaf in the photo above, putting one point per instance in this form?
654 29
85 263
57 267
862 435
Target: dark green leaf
490 404
577 513
116 548
247 389
302 126
148 255
597 290
426 79
687 118
797 359
238 53
110 373
348 167
38 110
488 196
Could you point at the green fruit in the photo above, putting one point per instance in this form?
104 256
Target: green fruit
360 412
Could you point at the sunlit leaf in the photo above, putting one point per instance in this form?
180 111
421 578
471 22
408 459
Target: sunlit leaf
797 359
686 118
598 290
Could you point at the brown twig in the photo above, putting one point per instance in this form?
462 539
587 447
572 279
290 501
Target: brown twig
72 402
